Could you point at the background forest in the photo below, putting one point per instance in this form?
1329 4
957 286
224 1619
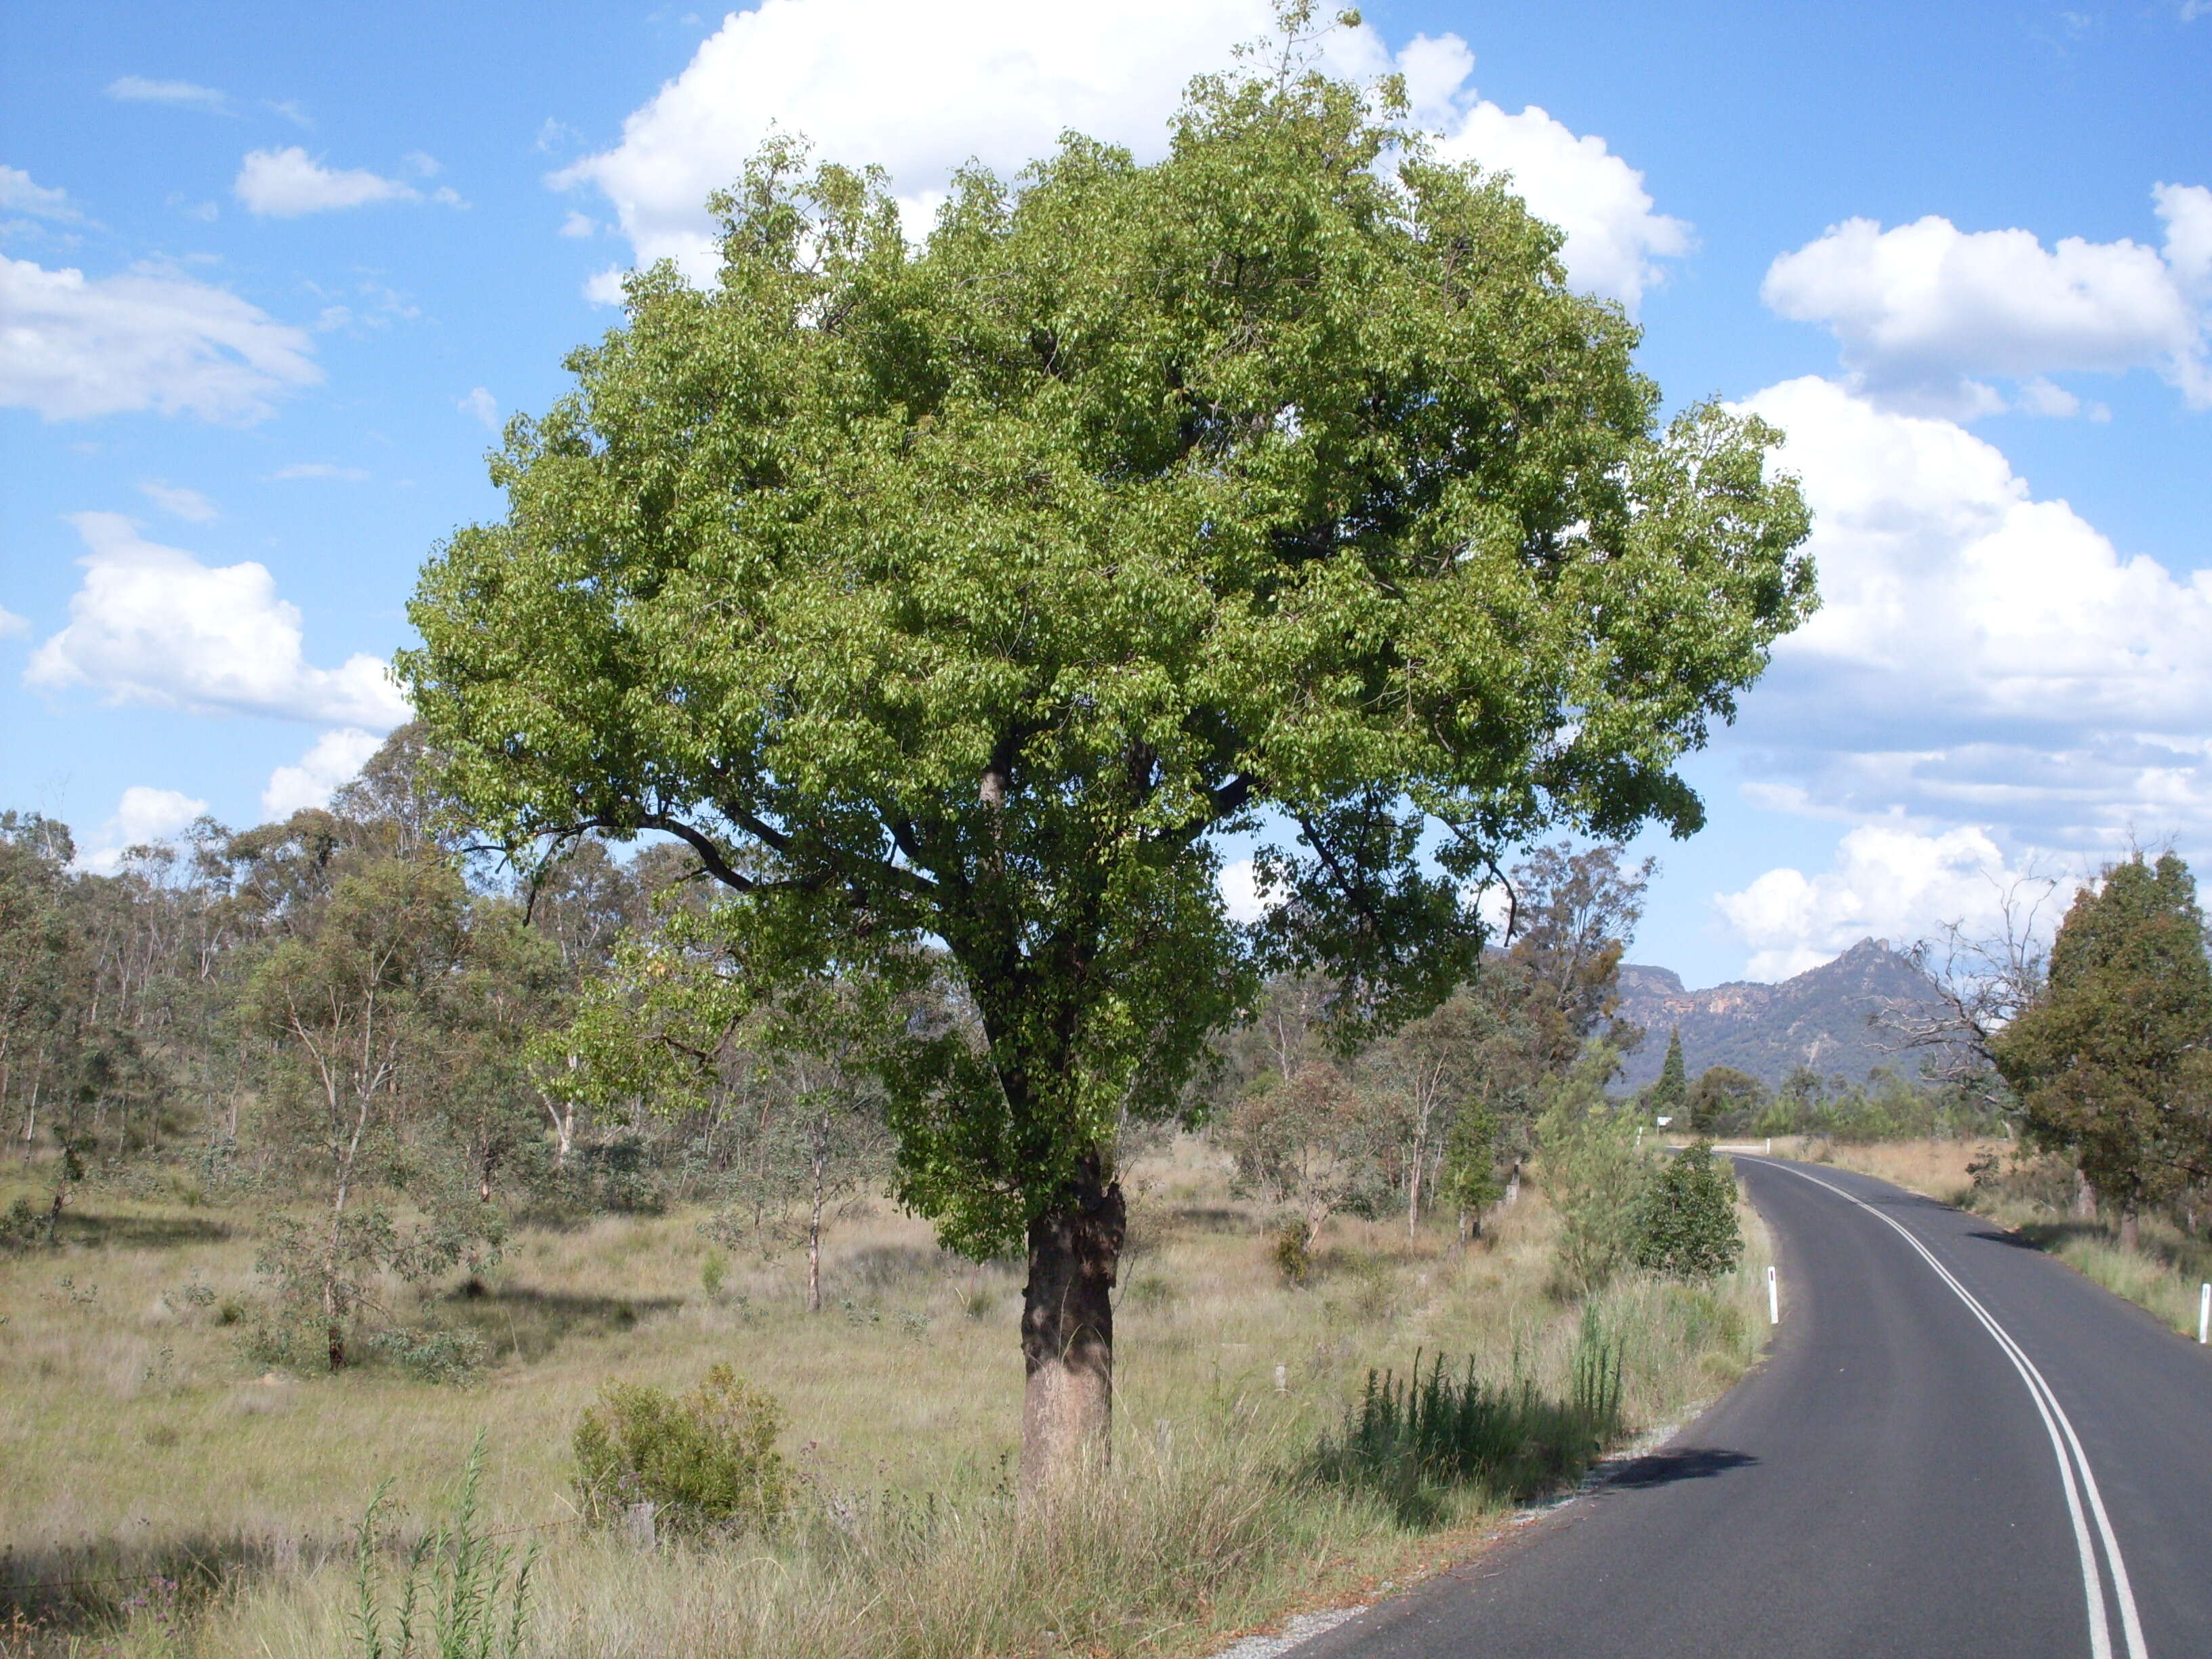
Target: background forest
359 1010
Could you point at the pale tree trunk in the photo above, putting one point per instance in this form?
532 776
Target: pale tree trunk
2085 1197
345 1153
814 1221
1413 1197
1427 1088
30 1116
333 1315
564 1129
2128 1232
1068 1331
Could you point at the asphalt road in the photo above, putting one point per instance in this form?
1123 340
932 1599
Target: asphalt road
1907 1474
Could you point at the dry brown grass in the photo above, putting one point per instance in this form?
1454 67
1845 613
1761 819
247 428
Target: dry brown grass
1934 1168
135 1431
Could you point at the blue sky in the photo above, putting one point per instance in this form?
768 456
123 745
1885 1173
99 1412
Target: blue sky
274 274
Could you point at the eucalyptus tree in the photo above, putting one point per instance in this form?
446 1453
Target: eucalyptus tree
961 595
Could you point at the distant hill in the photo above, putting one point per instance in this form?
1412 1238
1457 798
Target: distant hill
1817 1019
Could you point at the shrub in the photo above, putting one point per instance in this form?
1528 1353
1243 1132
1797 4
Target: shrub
24 1225
1592 1172
1686 1224
711 1270
1288 1249
706 1461
433 1356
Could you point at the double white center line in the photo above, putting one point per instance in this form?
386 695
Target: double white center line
2073 1471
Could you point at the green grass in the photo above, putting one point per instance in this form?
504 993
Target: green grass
139 1437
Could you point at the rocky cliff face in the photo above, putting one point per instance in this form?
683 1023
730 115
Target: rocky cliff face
1817 1019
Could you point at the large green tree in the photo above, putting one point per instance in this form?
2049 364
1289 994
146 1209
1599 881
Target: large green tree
961 595
2112 1063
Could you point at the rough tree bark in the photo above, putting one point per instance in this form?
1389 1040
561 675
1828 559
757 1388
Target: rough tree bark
1067 1330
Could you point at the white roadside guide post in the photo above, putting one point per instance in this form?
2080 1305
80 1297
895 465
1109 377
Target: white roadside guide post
2204 1313
1774 1301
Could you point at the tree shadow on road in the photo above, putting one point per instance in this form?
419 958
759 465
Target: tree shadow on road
1664 1468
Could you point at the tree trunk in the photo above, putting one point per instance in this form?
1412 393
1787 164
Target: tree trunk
333 1317
1067 1330
814 1250
2128 1234
564 1124
1413 1196
2085 1197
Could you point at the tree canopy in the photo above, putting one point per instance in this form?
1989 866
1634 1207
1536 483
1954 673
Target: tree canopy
962 594
2112 1061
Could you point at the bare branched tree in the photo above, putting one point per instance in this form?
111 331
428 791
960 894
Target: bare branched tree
1979 984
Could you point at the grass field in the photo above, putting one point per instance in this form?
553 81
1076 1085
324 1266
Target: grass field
138 1438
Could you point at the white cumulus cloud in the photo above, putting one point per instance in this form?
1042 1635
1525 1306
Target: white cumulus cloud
72 347
1980 655
333 760
1615 235
484 406
11 624
1885 882
1927 314
923 90
152 624
283 184
144 817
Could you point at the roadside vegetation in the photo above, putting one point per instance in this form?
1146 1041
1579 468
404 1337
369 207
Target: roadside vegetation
252 1339
144 1439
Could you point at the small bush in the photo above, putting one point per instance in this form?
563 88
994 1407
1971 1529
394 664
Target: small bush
711 1270
430 1356
1292 1255
707 1461
1150 1291
24 1225
1686 1224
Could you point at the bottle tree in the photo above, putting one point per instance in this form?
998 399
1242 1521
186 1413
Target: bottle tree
952 600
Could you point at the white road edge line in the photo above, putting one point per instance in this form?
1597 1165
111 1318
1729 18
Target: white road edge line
2047 1406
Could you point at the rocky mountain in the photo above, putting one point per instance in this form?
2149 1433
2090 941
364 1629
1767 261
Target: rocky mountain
1817 1019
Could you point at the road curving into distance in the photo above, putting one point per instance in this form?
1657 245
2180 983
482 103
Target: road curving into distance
1956 1447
